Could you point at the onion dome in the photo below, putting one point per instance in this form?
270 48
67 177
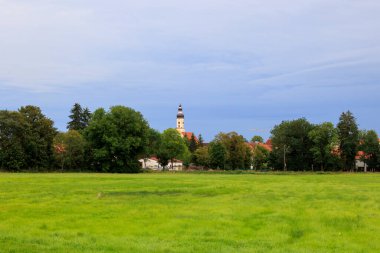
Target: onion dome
180 112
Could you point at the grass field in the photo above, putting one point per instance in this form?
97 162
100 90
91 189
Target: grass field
189 213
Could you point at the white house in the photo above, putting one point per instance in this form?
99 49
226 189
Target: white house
153 164
150 163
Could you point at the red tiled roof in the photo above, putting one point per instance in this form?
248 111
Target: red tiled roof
188 135
264 145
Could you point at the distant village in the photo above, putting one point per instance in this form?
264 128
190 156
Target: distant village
153 162
120 140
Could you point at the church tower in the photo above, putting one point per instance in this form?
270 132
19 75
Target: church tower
180 120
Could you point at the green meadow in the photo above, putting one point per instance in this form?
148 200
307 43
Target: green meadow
187 212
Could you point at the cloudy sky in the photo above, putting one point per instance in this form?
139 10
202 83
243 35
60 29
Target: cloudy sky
242 65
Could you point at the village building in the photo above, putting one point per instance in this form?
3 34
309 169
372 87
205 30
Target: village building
180 125
153 163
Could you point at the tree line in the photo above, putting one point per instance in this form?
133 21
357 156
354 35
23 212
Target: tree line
114 140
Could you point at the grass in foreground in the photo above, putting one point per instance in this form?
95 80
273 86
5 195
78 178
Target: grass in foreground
189 213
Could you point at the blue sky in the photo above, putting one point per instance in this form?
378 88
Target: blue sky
242 65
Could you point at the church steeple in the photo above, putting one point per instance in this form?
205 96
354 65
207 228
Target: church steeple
180 120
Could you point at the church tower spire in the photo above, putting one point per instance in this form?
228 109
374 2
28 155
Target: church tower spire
180 120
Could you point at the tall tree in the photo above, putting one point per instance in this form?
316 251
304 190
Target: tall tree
80 118
163 158
324 140
12 153
153 146
369 144
349 139
218 155
117 138
202 157
260 157
236 148
291 145
200 140
39 135
193 145
76 117
69 150
86 117
172 145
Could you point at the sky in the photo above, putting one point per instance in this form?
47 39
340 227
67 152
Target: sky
235 65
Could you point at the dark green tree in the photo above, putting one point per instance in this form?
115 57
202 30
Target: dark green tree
173 146
200 140
154 141
202 157
291 145
257 138
193 145
324 140
117 139
236 147
248 158
218 155
348 134
186 141
76 117
163 158
260 157
80 118
12 154
369 144
39 133
86 117
69 150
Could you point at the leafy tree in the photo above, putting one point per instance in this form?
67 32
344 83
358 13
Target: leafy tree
202 157
369 144
172 145
12 155
218 155
69 150
291 145
153 146
163 158
80 118
186 158
324 139
186 141
248 158
257 138
236 148
349 139
39 133
260 157
117 138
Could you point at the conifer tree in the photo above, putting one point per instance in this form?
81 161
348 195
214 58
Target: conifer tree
200 140
76 118
86 117
80 118
193 144
349 139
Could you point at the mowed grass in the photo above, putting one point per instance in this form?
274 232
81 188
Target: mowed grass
189 213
